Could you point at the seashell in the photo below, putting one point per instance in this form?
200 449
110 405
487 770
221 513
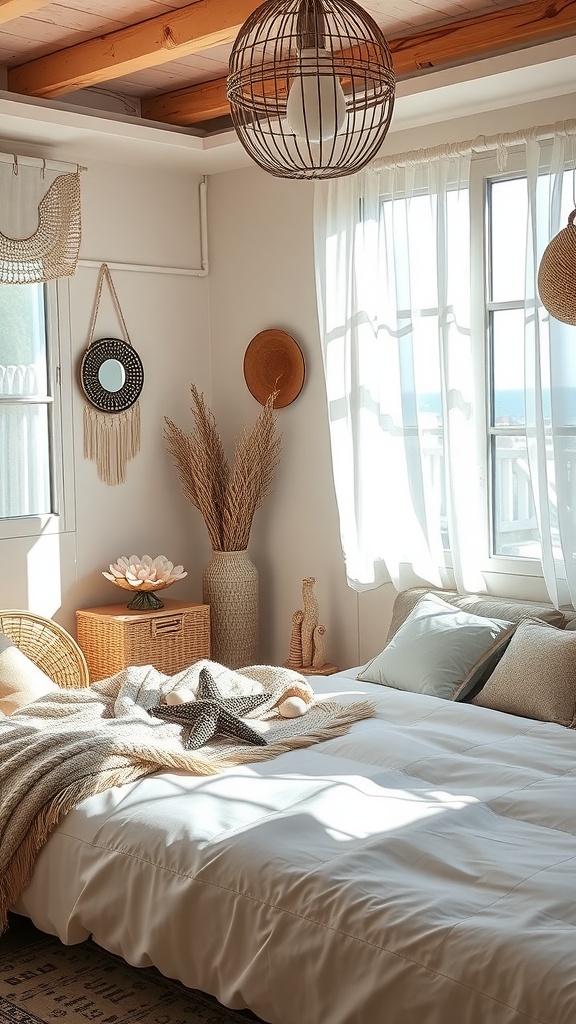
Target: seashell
181 696
292 707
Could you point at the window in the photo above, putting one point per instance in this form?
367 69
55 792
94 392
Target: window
513 523
450 389
421 273
500 233
32 449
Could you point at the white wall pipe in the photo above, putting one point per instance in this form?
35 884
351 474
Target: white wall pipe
147 268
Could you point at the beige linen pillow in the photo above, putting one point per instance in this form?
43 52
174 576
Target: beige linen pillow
21 681
536 676
476 604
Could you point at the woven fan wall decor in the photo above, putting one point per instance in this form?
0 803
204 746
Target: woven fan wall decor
40 220
557 274
112 377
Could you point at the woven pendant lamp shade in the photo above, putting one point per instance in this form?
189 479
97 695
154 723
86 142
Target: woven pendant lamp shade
311 87
557 274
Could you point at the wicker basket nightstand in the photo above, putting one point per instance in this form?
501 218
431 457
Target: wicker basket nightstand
170 639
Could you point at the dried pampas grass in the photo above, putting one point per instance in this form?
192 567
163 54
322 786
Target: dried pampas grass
226 497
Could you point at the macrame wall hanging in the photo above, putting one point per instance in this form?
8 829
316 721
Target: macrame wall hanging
112 377
40 220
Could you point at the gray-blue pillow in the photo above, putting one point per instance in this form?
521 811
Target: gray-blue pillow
439 650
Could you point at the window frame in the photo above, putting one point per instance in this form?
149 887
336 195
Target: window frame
484 169
62 518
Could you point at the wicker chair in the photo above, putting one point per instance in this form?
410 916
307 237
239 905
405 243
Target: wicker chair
48 645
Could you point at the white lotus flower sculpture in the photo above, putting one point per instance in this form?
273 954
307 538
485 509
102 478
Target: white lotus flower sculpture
144 575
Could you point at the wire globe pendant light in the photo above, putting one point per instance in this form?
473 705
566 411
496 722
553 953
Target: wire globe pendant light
311 87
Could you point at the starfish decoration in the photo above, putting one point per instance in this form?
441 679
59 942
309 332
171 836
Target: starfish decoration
212 713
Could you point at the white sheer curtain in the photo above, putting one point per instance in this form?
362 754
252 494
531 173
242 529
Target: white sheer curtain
24 452
550 371
393 284
24 403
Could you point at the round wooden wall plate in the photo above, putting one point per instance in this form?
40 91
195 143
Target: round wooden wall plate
273 361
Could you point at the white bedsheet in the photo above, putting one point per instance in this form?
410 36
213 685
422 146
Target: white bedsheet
420 869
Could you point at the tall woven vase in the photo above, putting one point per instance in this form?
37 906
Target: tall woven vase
230 587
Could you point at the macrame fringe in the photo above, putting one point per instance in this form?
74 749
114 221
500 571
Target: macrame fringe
111 440
224 755
343 718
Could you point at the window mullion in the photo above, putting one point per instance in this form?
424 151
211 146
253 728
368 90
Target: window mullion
478 327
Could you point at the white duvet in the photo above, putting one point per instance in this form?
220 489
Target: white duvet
419 870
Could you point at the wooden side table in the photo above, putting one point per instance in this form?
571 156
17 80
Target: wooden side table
170 638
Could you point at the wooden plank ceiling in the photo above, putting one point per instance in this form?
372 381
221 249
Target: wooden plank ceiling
172 57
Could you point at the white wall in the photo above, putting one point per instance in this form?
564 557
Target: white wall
142 215
262 276
187 330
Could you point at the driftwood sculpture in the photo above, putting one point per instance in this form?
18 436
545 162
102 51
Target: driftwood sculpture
307 645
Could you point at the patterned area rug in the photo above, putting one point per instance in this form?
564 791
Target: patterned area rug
44 982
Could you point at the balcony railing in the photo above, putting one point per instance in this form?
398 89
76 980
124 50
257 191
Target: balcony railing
515 522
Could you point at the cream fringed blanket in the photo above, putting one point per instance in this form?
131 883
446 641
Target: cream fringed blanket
73 744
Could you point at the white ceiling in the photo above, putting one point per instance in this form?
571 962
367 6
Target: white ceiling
75 133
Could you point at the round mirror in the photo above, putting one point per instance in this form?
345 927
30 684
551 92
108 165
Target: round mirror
112 375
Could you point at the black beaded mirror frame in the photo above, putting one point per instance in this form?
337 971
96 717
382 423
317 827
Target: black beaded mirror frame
97 353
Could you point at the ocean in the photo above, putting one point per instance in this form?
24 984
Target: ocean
509 405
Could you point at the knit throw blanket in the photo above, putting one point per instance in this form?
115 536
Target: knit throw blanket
75 743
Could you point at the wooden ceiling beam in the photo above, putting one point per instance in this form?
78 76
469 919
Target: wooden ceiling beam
12 9
189 106
193 29
446 45
499 31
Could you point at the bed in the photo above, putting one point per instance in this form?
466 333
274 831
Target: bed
419 867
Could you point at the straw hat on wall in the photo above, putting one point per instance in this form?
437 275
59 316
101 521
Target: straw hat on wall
273 361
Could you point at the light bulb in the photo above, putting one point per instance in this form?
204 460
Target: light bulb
316 107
